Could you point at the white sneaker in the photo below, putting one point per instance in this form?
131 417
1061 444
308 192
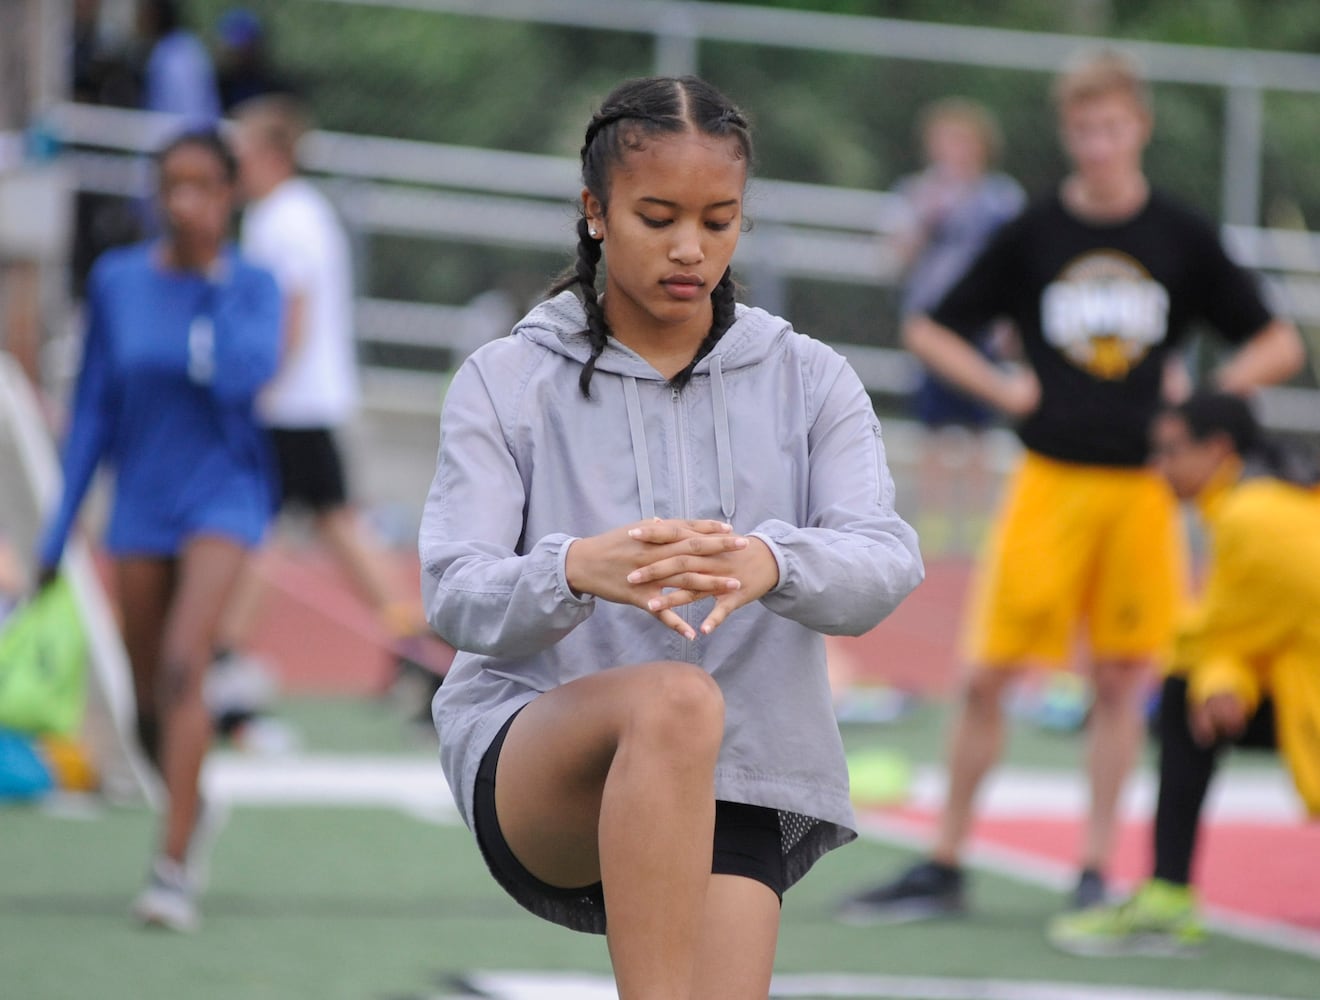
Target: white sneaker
240 684
168 901
266 736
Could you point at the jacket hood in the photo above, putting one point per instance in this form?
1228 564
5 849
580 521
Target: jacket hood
560 324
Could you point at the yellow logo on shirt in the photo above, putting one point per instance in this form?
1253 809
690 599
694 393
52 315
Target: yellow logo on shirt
1104 313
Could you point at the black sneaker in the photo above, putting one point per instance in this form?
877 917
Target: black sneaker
923 892
1089 891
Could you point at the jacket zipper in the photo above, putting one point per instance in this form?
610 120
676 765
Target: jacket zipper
687 649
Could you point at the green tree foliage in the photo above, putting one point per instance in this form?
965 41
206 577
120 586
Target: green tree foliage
824 118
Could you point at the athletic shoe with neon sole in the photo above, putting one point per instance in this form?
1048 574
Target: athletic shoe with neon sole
1160 920
168 900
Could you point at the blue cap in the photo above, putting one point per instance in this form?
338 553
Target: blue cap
239 27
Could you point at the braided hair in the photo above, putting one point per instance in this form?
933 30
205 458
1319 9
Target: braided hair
636 110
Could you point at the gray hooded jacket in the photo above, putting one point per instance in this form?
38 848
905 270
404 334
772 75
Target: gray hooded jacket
774 434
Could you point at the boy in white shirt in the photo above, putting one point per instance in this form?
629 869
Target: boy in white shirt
290 227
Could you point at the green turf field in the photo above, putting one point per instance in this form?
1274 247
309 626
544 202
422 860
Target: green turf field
373 904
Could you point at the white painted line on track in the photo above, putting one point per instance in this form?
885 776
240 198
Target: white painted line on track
345 779
415 786
576 986
1258 796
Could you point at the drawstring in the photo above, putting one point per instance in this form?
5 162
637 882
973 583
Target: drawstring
723 447
641 457
723 444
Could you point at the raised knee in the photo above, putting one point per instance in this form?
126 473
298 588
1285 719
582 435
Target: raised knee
683 709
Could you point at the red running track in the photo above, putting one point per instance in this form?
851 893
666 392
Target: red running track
324 641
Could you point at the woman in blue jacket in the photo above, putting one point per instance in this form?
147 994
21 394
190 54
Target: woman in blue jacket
649 505
181 335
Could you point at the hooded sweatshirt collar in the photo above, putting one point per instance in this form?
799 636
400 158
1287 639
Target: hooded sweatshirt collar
560 324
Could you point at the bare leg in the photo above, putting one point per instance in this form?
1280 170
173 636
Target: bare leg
738 937
975 747
143 587
1115 740
362 560
245 606
611 777
208 569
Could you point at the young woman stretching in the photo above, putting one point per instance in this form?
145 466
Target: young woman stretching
648 506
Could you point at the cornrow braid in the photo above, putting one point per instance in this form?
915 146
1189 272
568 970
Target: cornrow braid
722 302
605 118
729 117
652 106
583 276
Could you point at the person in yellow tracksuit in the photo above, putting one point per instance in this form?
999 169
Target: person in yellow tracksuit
1246 666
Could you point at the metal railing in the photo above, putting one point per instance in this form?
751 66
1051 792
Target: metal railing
679 27
498 198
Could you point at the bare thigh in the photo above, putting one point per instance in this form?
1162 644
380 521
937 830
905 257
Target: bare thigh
560 748
144 586
209 568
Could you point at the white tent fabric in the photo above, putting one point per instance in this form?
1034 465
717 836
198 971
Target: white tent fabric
29 484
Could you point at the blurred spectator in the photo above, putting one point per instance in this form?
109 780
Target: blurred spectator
955 203
178 77
181 334
243 68
1103 279
104 73
290 227
1247 669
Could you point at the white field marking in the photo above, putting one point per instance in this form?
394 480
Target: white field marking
1057 876
1260 795
415 786
1263 797
577 986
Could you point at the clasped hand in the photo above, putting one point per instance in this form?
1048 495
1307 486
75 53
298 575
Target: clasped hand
660 565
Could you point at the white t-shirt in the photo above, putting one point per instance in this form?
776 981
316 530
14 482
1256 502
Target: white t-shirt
294 232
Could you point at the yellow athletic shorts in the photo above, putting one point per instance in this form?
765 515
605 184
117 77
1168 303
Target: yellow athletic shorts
1073 545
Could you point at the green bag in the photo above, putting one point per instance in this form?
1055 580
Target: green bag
43 664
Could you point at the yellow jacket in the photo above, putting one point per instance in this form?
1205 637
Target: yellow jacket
1256 628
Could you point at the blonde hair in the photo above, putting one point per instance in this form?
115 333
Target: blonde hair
966 112
1099 73
277 121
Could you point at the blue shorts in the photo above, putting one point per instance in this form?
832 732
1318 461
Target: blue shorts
937 404
241 513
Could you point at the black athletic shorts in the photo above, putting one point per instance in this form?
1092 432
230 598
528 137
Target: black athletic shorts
311 472
748 842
